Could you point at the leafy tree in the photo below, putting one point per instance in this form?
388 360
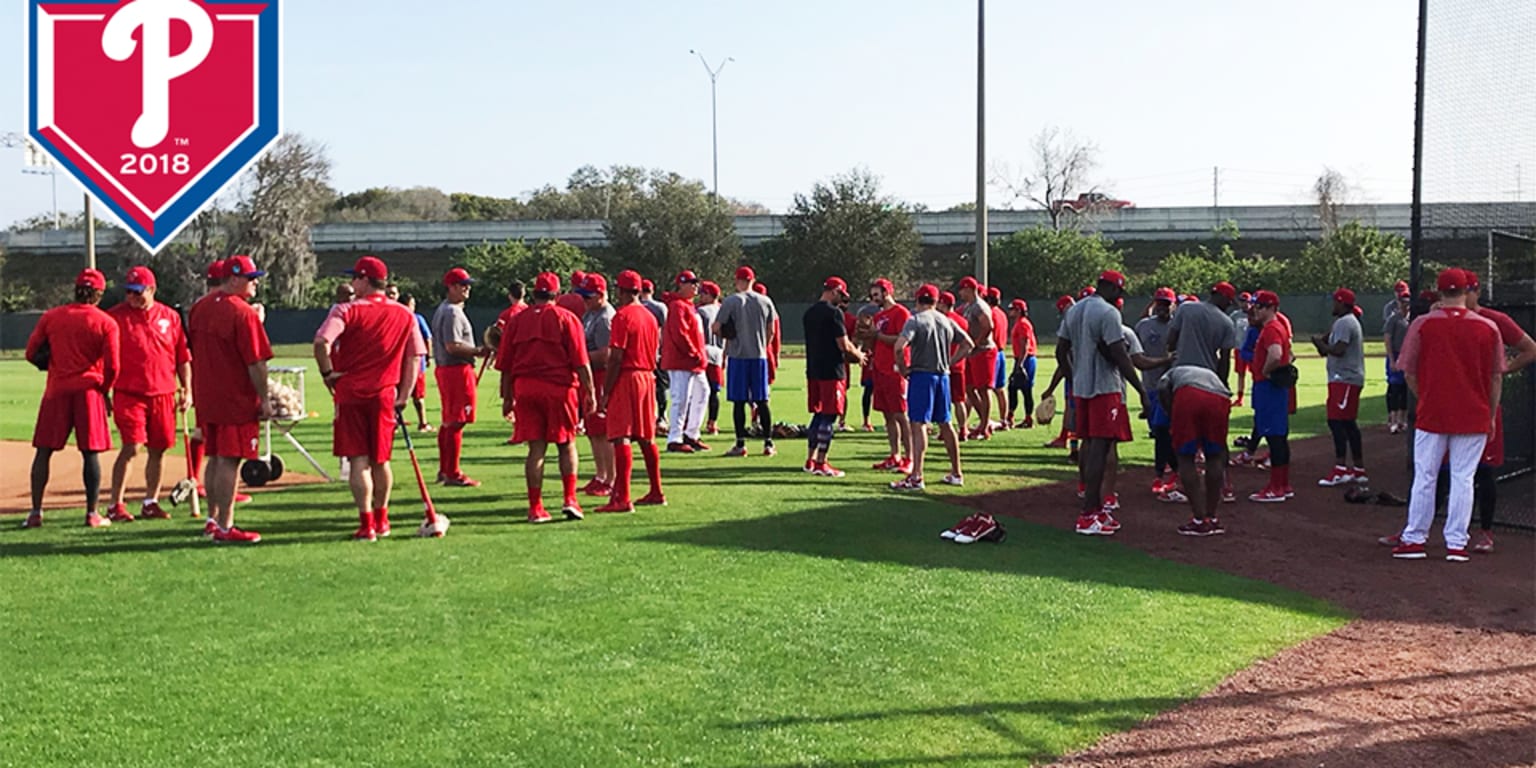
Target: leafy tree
673 224
495 265
1050 262
844 227
283 194
467 207
391 204
1357 256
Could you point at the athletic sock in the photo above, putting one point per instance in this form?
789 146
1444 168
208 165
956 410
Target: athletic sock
197 459
623 465
535 499
456 449
365 519
151 500
442 450
652 458
569 481
381 518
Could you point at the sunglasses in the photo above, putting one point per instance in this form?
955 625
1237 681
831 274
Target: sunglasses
132 292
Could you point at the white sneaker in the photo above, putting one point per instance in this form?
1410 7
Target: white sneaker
955 530
953 479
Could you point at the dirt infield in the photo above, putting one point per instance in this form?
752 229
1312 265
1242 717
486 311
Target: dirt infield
64 479
1438 669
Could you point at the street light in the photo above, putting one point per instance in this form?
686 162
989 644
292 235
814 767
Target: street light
35 163
714 123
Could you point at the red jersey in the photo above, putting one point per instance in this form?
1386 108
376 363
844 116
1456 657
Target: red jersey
634 333
509 313
153 345
1455 354
1510 331
83 348
960 322
1273 333
226 338
572 303
682 340
889 323
1023 339
370 339
999 328
544 342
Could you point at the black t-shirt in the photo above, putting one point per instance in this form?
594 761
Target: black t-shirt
823 357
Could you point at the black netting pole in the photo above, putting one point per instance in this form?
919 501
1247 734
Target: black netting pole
1416 241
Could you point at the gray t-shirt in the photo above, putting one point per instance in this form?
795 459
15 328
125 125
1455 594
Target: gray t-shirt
1348 368
929 335
596 325
449 323
1203 332
1153 334
1395 333
753 314
657 309
973 313
1181 376
714 346
1088 323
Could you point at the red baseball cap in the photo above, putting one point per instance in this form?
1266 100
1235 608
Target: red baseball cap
646 286
1063 303
1120 303
1114 277
1086 292
969 282
884 285
945 297
242 266
745 273
1266 299
139 278
460 276
760 288
994 293
629 280
577 278
1400 286
1225 289
592 285
1190 298
836 284
546 282
1020 305
1165 294
1345 295
1429 296
707 287
686 276
91 278
1245 297
216 270
928 293
1472 282
1453 279
371 268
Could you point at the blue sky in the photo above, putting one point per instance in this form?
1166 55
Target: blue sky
502 97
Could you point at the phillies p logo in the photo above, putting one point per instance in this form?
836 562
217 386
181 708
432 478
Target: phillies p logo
153 105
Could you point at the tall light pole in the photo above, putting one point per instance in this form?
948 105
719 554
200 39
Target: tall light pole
981 142
714 123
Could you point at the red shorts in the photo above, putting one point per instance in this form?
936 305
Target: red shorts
890 393
456 388
231 441
829 398
1239 364
1199 421
419 392
714 375
632 407
1343 401
365 428
148 420
957 384
1104 417
980 369
597 423
84 413
544 411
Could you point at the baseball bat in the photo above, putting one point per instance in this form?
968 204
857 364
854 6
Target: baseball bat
421 482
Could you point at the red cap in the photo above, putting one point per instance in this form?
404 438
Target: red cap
1357 310
139 278
1019 305
1345 295
629 280
928 293
242 266
1165 294
969 282
646 286
1113 277
994 293
1190 297
945 297
745 273
592 285
1086 292
1225 289
1245 297
884 285
686 276
1453 279
835 284
1400 286
1472 282
760 288
91 278
1064 303
1120 303
1266 299
577 278
707 287
1429 297
371 268
546 282
460 276
216 270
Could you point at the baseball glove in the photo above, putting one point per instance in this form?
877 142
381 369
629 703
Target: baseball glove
1285 376
41 357
1046 410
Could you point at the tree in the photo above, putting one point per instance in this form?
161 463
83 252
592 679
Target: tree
1355 256
467 207
392 204
1195 271
1331 192
844 227
1050 262
673 224
1060 166
283 194
495 265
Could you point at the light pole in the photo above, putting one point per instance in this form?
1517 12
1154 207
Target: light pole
37 164
981 143
714 123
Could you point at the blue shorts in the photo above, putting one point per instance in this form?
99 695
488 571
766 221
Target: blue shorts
928 397
1000 379
1156 416
1271 410
1029 368
746 381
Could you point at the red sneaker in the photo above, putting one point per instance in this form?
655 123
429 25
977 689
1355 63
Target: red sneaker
209 529
1405 551
1159 487
153 511
1456 555
693 442
1112 502
679 448
770 450
961 527
891 462
810 466
1339 476
904 468
364 533
33 521
591 485
236 536
462 481
381 522
599 489
572 510
1060 442
1268 496
94 520
651 500
615 508
1108 523
827 470
538 515
1390 541
119 514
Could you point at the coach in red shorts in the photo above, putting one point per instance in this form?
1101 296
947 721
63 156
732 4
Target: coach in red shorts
546 382
151 387
369 353
454 351
78 345
629 397
229 384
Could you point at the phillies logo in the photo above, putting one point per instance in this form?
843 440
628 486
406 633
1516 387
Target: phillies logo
153 105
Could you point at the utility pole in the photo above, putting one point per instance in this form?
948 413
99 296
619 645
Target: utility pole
714 123
1216 188
981 142
90 235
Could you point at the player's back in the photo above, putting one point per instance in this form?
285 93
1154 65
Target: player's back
372 348
83 345
544 342
635 332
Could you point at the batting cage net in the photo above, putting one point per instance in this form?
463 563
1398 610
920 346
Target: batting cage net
1476 183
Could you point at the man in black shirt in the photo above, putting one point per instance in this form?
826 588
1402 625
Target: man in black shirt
827 350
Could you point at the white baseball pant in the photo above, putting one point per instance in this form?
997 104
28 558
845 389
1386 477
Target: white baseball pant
690 396
1429 450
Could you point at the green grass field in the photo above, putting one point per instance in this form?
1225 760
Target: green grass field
764 618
